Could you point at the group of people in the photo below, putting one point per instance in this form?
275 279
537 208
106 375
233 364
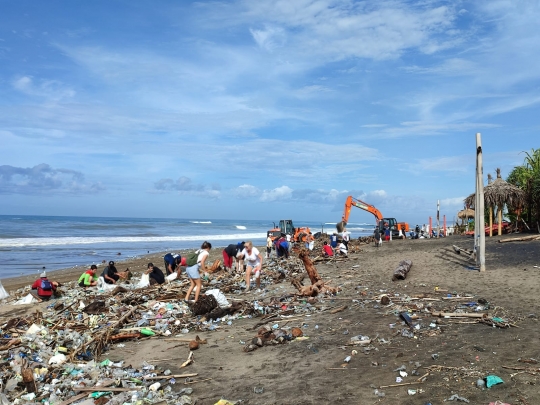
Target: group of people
337 246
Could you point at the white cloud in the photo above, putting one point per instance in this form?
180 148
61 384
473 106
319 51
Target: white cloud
246 191
52 90
279 193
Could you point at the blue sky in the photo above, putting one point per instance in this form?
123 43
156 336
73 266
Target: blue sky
261 109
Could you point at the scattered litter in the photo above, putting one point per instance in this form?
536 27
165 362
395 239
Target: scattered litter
456 397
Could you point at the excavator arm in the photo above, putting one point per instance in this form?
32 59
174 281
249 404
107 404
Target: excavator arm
354 202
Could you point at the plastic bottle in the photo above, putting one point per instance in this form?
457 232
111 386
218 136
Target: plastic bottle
155 386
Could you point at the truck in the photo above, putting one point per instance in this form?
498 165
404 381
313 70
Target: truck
381 222
286 227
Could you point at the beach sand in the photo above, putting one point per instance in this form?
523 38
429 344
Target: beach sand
313 371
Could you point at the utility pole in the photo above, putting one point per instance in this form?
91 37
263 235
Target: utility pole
438 222
479 220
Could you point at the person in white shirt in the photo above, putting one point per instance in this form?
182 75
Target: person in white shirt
193 271
346 236
342 249
254 260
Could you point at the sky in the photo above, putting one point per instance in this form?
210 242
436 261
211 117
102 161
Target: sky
261 109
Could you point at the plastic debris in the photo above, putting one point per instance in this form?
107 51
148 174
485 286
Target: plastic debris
492 380
456 397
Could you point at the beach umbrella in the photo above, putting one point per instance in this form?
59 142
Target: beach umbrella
498 194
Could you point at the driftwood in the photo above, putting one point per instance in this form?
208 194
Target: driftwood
458 315
28 380
402 270
520 239
310 268
122 336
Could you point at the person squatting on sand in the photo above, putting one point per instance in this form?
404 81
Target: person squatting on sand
327 250
254 262
171 262
111 275
89 277
43 288
155 274
193 271
233 252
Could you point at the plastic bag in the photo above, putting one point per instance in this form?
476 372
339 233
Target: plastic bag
103 286
171 277
220 297
29 299
145 281
3 292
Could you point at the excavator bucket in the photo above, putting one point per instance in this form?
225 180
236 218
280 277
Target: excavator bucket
340 226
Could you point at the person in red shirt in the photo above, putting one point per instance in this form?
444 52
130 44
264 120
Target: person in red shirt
327 250
43 288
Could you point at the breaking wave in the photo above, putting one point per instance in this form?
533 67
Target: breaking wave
240 227
24 242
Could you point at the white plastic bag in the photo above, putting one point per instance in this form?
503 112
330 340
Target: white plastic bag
220 297
103 286
171 277
3 292
145 281
29 299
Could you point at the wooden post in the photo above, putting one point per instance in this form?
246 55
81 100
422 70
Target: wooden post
430 227
499 220
444 225
481 254
490 221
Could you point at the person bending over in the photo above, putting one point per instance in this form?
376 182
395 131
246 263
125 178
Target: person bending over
254 261
193 271
172 262
230 253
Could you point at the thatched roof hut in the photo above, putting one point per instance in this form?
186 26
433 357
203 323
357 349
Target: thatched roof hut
500 193
466 213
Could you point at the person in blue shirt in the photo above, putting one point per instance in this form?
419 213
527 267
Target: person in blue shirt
171 262
333 240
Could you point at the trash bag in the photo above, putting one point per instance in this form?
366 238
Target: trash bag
29 299
3 292
220 297
103 286
145 281
171 277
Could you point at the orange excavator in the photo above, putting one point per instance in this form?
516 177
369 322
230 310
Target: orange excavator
381 222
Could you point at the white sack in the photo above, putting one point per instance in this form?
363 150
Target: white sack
219 296
3 292
145 281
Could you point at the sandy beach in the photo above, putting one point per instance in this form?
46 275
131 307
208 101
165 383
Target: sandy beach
451 355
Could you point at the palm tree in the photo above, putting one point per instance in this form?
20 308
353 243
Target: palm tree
527 177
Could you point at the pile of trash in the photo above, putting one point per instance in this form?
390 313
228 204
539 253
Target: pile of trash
54 355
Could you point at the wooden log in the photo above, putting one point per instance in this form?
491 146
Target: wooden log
160 377
105 389
310 267
520 239
402 270
28 380
458 315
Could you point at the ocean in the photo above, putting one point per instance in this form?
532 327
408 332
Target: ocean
30 243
